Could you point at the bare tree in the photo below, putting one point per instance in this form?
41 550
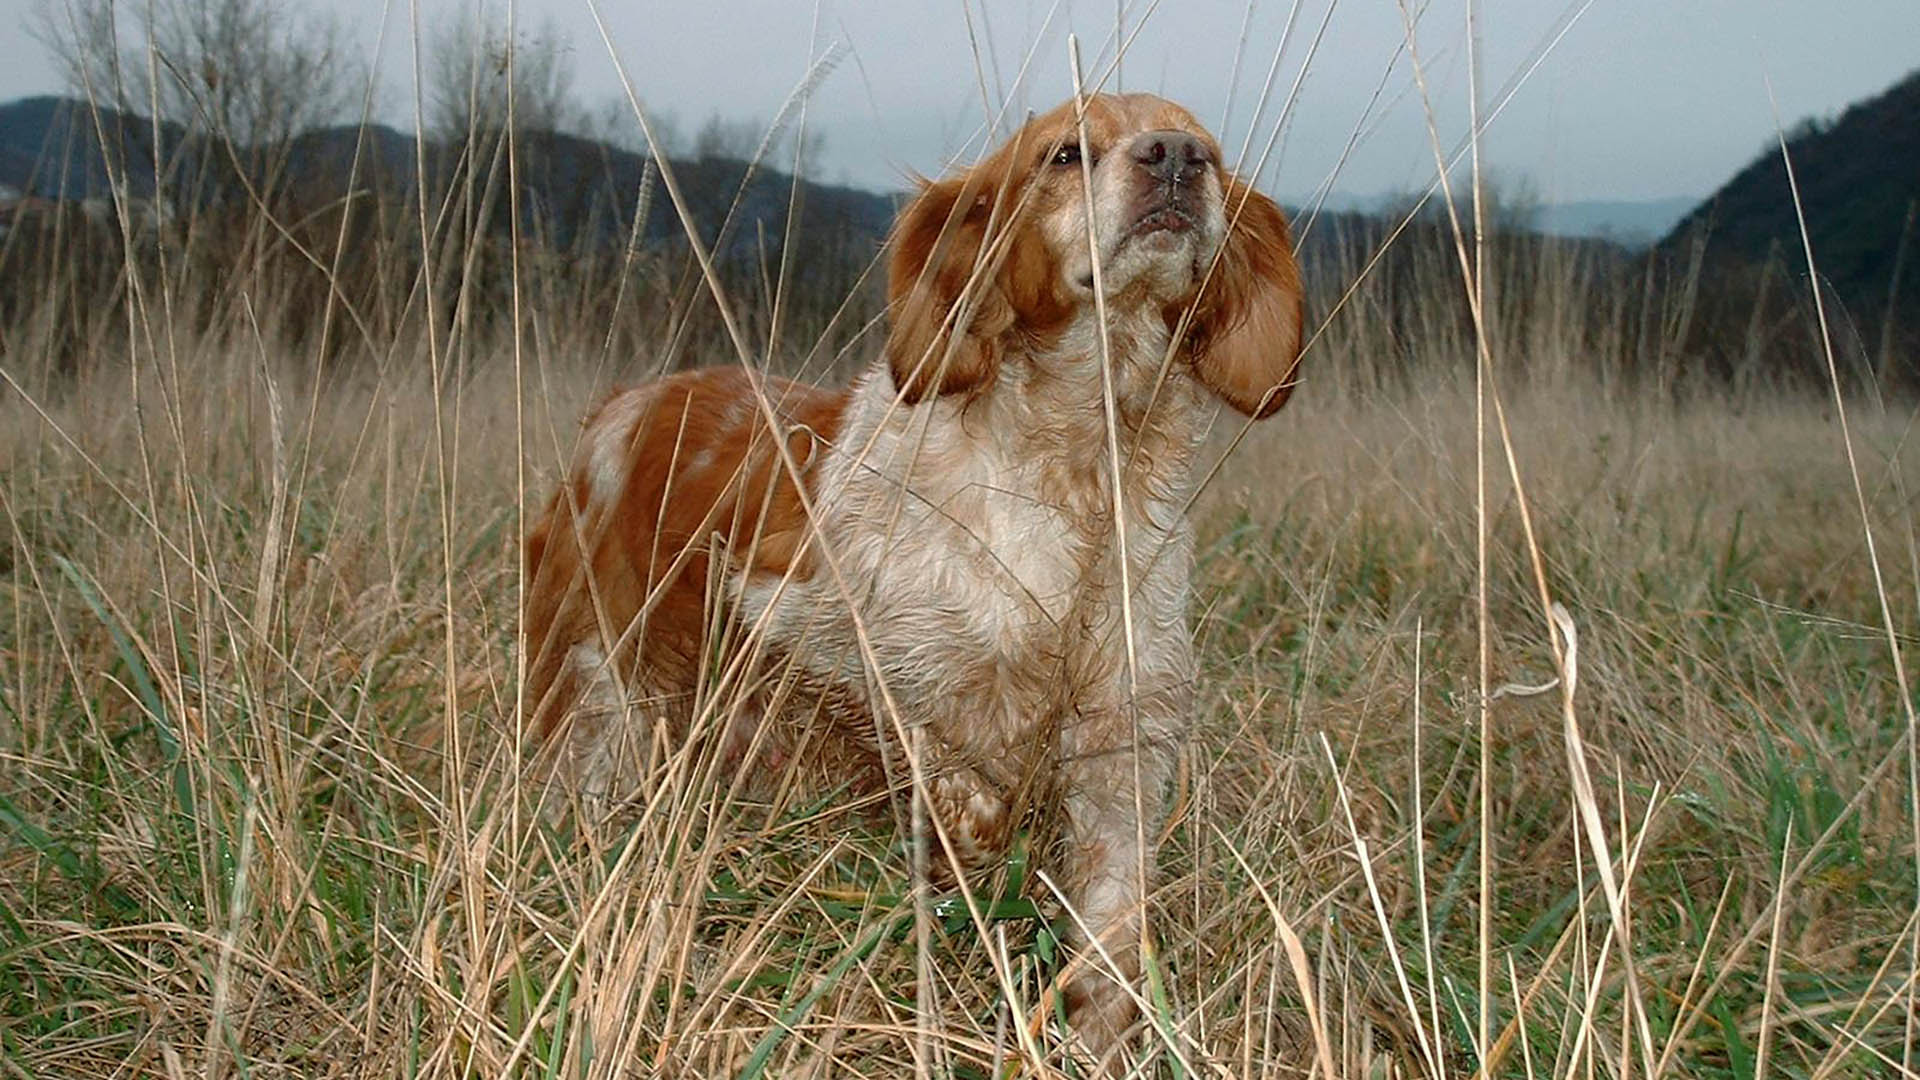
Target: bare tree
727 138
501 117
488 78
257 72
612 122
249 75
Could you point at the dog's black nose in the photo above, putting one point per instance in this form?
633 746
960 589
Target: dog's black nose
1171 156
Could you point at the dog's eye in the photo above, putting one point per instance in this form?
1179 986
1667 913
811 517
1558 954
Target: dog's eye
1067 155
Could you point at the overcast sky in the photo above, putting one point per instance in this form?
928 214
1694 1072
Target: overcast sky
1636 99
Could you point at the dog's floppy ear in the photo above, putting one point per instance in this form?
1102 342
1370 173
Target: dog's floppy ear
1246 331
948 315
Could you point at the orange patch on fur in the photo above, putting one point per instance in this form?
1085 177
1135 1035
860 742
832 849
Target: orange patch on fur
630 568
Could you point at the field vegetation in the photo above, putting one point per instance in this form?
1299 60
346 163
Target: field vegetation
262 798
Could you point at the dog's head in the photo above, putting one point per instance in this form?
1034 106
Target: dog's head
996 260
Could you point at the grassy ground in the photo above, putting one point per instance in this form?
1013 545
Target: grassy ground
258 813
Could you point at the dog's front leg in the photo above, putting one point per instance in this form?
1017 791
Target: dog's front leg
1116 769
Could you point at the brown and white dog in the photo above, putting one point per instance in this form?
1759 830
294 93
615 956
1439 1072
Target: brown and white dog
934 555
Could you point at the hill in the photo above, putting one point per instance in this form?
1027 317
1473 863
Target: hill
578 192
1633 223
1859 180
52 147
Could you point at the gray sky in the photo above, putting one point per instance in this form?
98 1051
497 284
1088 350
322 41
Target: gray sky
1638 99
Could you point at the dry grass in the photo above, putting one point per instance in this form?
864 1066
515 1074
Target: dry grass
260 810
273 831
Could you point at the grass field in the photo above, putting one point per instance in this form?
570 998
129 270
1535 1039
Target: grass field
258 814
262 809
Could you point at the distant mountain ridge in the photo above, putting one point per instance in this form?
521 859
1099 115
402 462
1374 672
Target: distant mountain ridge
1858 176
586 190
1635 223
43 152
51 147
1859 183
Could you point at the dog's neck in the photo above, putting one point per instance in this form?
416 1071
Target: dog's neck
1074 397
1042 431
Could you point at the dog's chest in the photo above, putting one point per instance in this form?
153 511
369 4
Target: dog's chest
990 550
950 555
1024 542
975 564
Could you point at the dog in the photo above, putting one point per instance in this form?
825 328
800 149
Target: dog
966 574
